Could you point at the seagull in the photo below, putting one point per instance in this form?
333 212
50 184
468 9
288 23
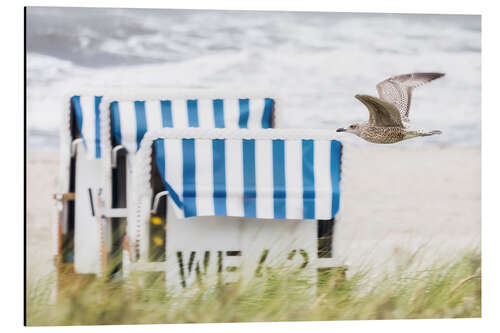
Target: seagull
389 114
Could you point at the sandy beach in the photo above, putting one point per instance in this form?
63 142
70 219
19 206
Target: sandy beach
395 200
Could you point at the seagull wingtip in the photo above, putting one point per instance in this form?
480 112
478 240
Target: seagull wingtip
436 75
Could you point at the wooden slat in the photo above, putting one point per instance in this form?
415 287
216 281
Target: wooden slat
70 196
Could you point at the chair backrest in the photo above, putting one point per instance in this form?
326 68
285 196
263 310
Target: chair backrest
130 120
277 174
87 114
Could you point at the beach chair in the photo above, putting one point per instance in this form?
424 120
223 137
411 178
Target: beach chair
125 121
239 201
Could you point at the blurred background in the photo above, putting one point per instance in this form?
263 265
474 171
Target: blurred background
315 62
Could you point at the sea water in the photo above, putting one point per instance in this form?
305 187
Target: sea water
314 62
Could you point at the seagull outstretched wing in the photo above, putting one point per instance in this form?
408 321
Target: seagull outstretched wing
397 90
382 113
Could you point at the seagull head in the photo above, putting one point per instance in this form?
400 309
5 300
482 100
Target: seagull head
353 128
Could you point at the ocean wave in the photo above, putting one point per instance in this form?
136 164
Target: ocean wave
316 62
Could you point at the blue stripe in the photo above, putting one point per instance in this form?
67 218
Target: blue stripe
267 116
97 110
189 177
219 168
335 156
192 108
244 106
249 191
308 194
279 190
140 119
166 114
219 113
160 157
160 163
115 122
77 107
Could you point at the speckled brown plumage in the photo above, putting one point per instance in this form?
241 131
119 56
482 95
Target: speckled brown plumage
377 134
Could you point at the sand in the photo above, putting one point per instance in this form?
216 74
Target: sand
395 200
41 184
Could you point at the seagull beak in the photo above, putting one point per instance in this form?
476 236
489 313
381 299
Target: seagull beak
341 129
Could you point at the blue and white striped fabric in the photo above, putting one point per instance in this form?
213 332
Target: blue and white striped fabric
255 178
131 120
88 119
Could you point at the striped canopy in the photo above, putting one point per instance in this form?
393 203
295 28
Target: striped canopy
251 174
86 110
130 120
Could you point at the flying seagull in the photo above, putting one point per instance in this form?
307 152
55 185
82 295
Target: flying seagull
389 114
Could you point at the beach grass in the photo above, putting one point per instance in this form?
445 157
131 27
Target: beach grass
450 290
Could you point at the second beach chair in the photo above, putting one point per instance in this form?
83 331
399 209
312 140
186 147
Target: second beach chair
125 122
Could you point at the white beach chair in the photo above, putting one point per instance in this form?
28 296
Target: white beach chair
127 119
238 200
